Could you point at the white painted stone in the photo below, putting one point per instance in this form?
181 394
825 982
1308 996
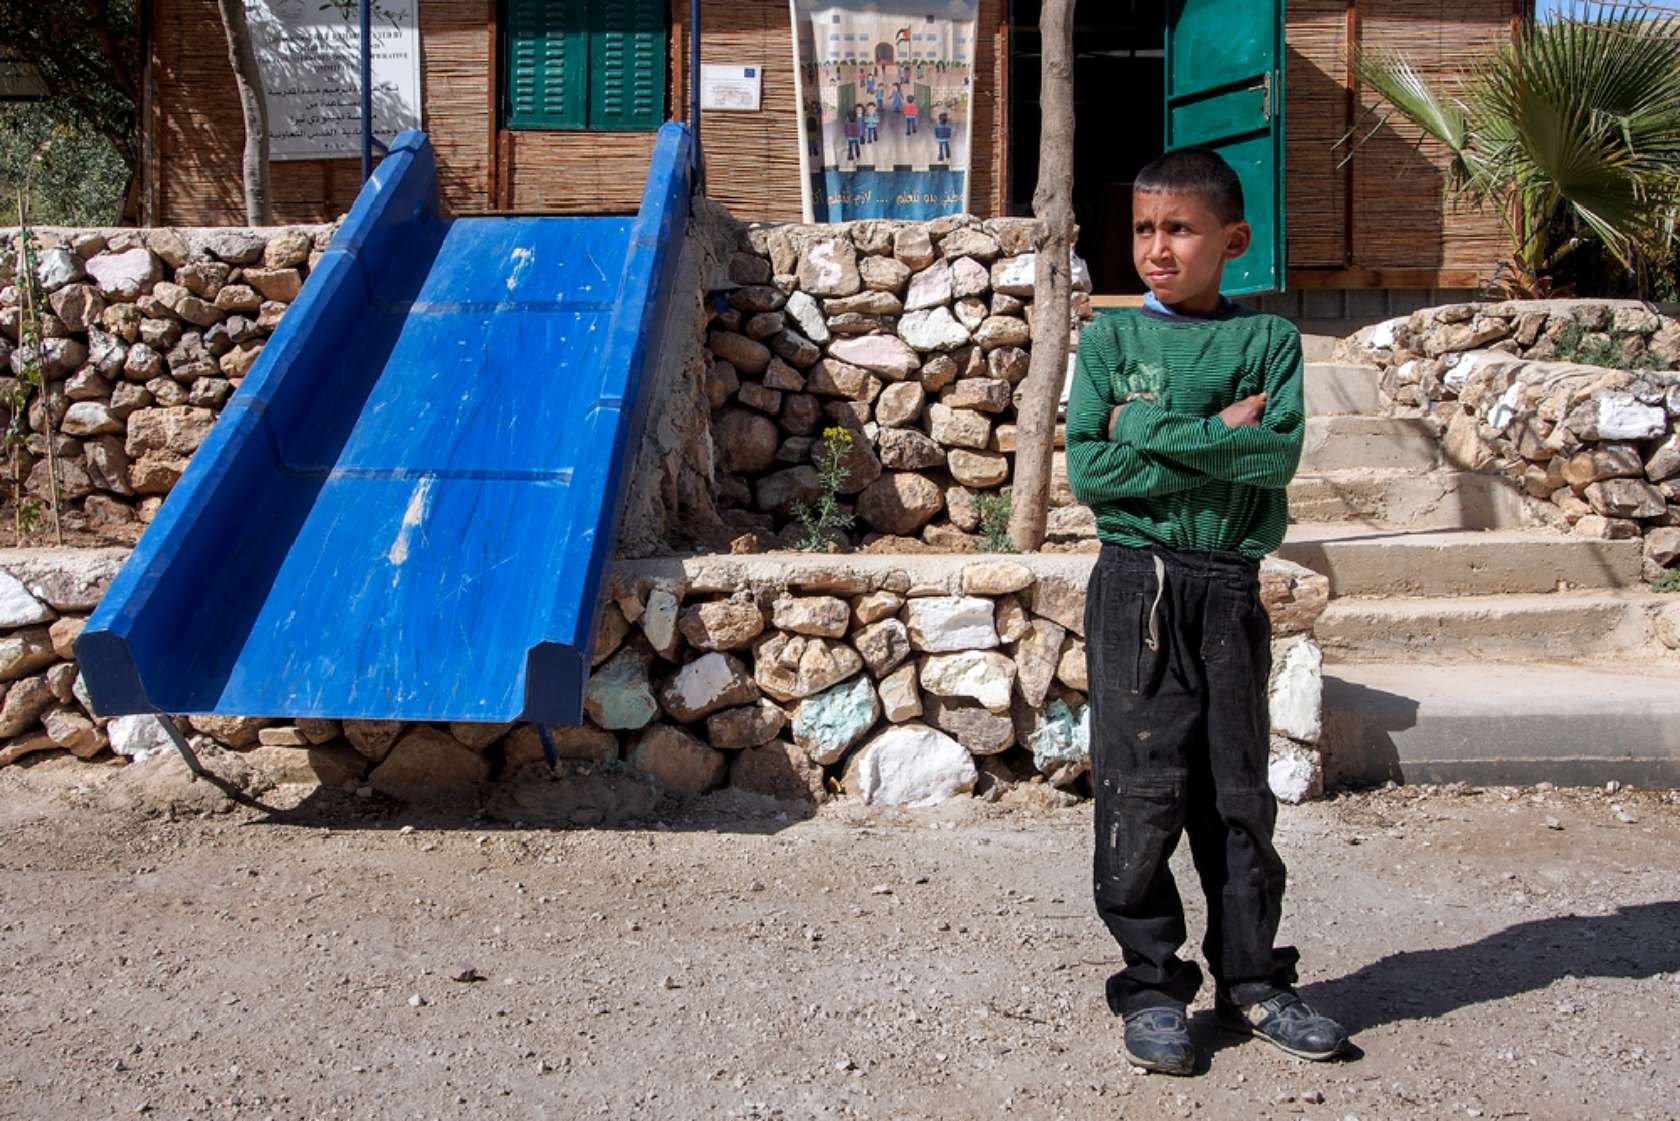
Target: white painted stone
710 682
929 288
882 354
1013 276
1621 416
1503 411
942 624
933 329
56 267
980 675
1295 773
969 278
911 765
659 621
1459 368
138 737
808 316
1383 334
125 275
1297 689
17 607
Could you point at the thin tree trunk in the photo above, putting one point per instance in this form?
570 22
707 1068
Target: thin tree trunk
1035 431
254 104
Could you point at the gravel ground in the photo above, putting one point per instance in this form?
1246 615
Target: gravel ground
1499 954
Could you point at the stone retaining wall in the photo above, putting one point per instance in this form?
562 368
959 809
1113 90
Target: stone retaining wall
146 335
915 337
898 679
1576 402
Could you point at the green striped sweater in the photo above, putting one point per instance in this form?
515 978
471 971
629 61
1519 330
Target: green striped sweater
1171 473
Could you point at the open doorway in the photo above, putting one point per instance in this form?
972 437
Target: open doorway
1118 100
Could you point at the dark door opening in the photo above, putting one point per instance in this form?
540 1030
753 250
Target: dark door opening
1119 107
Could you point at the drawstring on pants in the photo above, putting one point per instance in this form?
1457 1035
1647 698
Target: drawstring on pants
1154 639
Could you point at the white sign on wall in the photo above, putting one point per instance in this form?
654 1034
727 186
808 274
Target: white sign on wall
309 53
730 87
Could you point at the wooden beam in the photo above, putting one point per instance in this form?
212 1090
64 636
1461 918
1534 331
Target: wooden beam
151 126
1385 278
1352 84
493 160
1000 147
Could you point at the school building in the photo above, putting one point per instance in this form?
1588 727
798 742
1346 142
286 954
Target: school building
1148 73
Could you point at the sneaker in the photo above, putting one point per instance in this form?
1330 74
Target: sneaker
1158 1039
1286 1022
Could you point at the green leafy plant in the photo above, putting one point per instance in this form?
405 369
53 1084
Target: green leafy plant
823 518
18 391
1601 348
1569 132
1669 581
994 522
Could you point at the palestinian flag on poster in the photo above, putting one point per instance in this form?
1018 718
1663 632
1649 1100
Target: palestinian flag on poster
885 91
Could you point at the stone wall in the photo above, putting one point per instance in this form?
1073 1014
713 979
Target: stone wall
895 679
914 336
146 334
1576 402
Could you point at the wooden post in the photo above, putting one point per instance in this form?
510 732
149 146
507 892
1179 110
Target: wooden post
1035 433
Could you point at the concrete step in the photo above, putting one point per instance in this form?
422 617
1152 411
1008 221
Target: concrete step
1336 390
1561 626
1434 500
1365 560
1368 443
1567 724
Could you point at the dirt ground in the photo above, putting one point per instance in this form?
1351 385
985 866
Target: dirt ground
1499 954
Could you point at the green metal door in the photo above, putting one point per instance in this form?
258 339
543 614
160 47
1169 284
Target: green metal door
1224 73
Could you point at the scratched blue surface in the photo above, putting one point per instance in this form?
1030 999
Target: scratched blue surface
406 510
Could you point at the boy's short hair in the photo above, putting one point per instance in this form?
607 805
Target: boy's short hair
1200 171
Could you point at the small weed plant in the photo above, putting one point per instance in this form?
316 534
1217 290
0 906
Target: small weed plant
822 519
1669 581
1600 348
17 392
994 522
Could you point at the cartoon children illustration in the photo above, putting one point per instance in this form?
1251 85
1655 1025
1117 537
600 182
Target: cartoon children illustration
942 133
911 113
813 136
854 132
897 99
871 124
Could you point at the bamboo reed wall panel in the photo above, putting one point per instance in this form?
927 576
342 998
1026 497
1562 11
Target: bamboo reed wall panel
1316 117
203 131
455 97
579 172
1402 218
752 159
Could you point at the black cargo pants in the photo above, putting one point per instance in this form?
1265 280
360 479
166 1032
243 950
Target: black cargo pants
1179 651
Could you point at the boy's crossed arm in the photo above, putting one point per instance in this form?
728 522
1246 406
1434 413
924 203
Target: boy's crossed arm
1102 471
1262 452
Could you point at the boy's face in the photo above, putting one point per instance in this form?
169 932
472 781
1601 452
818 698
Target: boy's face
1179 248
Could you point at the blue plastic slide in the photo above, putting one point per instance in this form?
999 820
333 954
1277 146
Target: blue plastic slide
406 510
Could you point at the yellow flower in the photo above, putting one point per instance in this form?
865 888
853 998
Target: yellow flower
837 435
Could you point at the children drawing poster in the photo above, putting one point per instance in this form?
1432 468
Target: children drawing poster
885 89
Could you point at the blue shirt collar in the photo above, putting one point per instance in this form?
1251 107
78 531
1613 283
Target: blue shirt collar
1152 305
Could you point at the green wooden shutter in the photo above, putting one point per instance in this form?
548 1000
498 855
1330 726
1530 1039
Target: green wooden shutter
1224 77
547 64
628 41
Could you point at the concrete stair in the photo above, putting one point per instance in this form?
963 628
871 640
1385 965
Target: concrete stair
1570 724
1460 642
